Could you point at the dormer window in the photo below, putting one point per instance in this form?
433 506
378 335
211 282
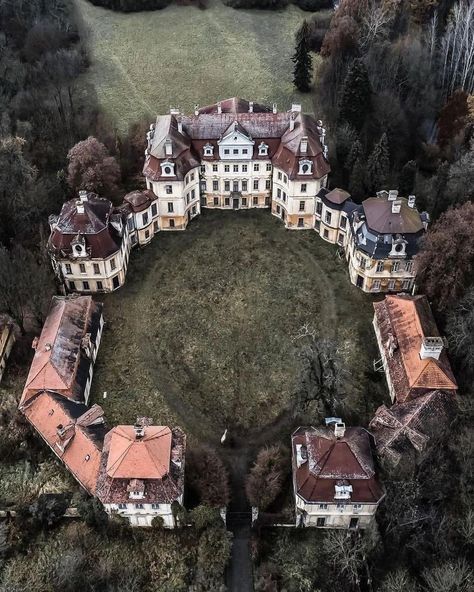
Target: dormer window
167 169
136 489
306 167
208 150
263 149
78 247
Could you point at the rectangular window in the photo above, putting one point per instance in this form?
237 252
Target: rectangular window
226 201
279 176
376 285
379 267
354 523
323 506
340 506
235 151
255 200
302 206
203 168
279 192
170 207
226 168
395 266
145 218
169 189
256 167
226 151
269 167
285 179
112 264
82 268
147 234
267 184
278 209
72 286
68 268
130 224
192 176
255 184
391 285
193 194
320 521
406 285
409 266
342 222
215 168
300 222
187 198
154 210
139 506
245 151
303 187
357 506
319 208
155 226
235 168
215 186
171 223
226 185
326 233
96 268
244 168
235 185
317 225
216 201
244 185
244 201
122 506
100 286
340 238
85 285
155 506
328 217
284 196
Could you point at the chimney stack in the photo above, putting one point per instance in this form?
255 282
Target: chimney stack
296 107
292 122
431 347
168 147
180 125
339 429
219 107
139 431
304 145
396 206
392 195
251 107
196 109
411 201
274 108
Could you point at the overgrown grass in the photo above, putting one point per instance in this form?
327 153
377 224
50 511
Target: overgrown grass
202 333
144 62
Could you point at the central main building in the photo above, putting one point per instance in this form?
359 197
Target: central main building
236 154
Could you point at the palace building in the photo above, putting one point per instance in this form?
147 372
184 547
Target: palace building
334 480
236 154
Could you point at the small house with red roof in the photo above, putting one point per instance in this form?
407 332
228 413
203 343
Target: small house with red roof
413 353
334 480
142 472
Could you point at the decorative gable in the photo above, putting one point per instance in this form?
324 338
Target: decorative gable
236 143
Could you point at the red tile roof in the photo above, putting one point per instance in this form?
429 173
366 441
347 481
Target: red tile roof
404 321
331 461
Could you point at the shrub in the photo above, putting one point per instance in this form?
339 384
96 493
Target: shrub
92 512
267 476
132 5
203 516
207 476
158 523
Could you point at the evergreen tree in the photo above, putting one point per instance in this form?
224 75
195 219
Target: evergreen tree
357 180
302 60
406 183
356 94
378 165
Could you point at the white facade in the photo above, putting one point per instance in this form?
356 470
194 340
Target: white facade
142 514
342 514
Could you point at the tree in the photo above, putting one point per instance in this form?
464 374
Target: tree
460 182
355 103
213 554
455 576
207 476
357 180
203 516
452 117
406 183
302 72
445 263
17 176
378 165
92 512
266 477
92 168
460 330
398 581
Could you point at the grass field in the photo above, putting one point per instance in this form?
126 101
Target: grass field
144 62
201 334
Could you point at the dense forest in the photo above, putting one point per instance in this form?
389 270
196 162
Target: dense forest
395 87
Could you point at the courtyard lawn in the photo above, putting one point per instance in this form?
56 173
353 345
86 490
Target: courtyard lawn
144 62
202 333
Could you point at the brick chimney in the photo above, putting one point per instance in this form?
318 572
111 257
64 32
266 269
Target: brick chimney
339 429
274 108
431 347
196 109
219 107
251 107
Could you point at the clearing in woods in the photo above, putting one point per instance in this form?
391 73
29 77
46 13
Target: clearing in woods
144 62
201 334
